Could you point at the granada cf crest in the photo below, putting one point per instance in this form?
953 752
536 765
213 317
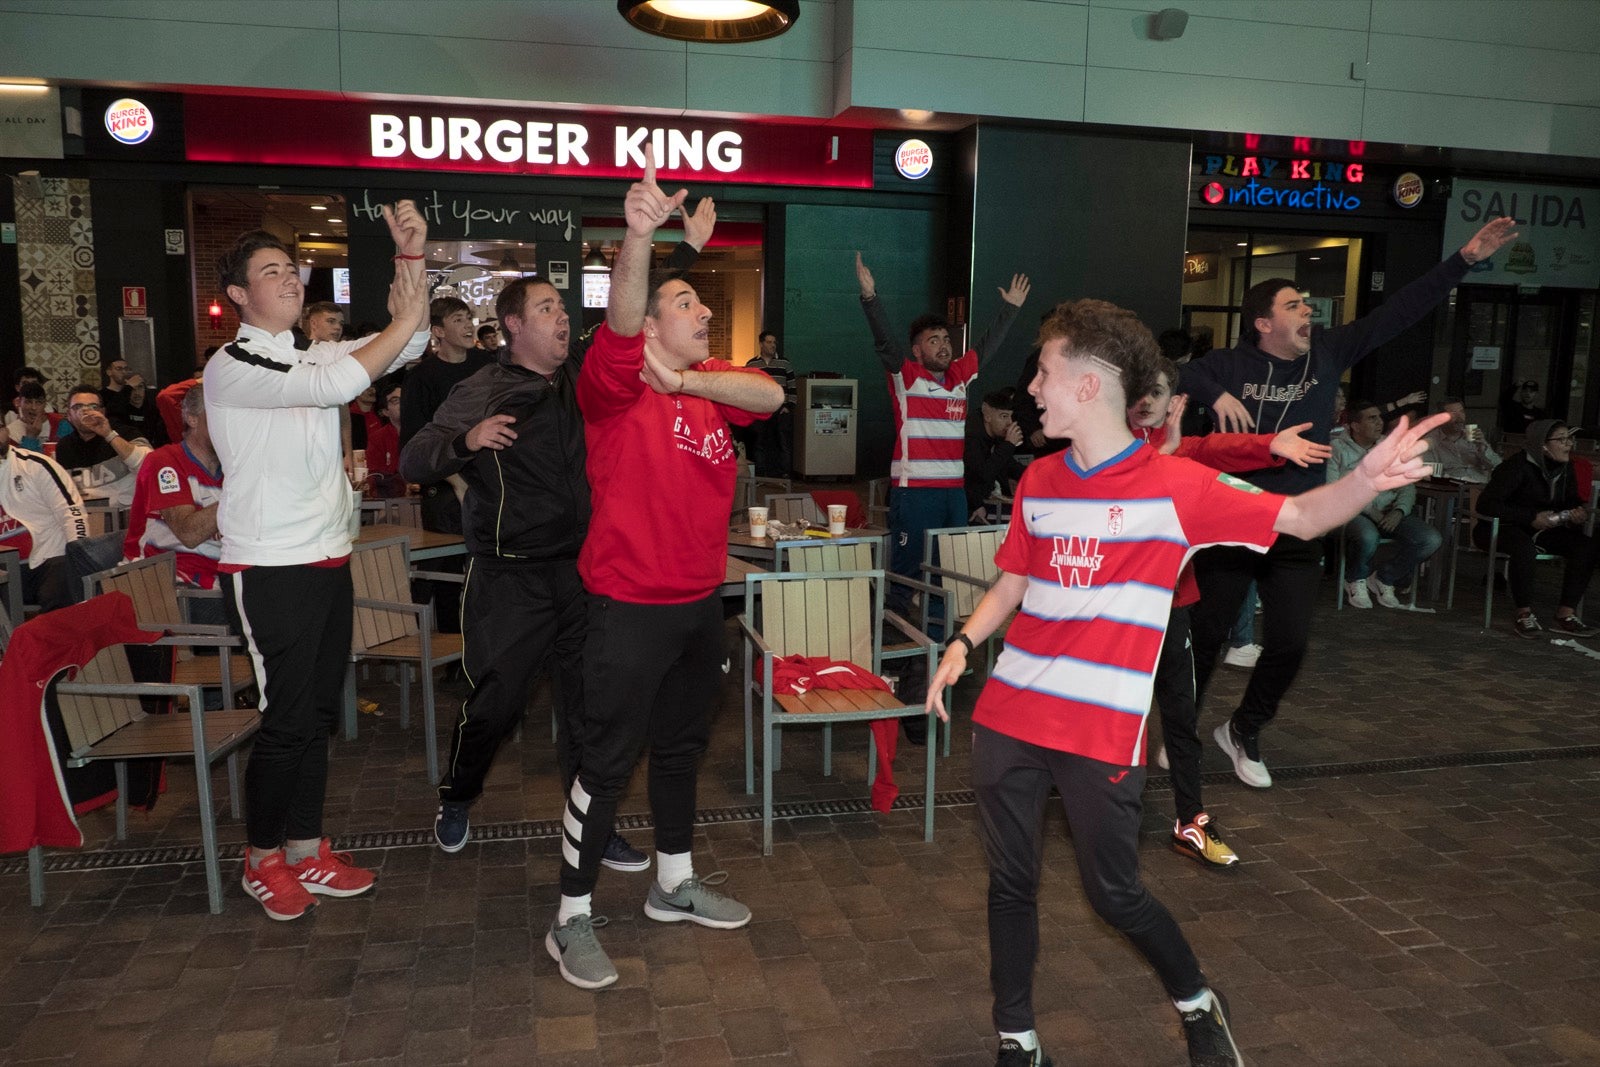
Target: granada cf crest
1114 519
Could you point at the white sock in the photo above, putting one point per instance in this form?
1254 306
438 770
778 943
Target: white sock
1028 1039
673 869
1201 999
571 906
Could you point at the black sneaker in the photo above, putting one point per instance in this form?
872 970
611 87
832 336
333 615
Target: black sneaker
451 826
1210 1039
1527 627
1013 1054
1573 626
621 856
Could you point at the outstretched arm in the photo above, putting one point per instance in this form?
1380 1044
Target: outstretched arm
1296 449
1391 463
890 352
1011 299
645 208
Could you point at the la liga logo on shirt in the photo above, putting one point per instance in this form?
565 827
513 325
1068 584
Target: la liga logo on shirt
1236 483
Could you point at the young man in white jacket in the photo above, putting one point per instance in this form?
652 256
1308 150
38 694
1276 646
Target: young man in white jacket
40 512
273 411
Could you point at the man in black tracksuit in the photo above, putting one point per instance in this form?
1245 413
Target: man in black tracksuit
1284 372
513 433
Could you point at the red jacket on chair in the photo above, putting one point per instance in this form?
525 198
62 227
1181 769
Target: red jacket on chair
34 808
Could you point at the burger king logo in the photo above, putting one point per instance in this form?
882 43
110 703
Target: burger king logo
129 121
913 159
1408 189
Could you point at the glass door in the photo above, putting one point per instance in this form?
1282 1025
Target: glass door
1520 356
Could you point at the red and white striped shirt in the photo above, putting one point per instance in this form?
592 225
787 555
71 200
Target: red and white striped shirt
930 424
1102 550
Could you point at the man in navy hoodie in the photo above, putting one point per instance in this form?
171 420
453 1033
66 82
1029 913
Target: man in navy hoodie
1284 372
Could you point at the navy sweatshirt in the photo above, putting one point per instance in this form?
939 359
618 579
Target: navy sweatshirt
1280 393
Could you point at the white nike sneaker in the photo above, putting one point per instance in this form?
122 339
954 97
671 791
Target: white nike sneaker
1356 592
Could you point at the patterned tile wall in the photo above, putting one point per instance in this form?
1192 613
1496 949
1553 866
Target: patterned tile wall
55 256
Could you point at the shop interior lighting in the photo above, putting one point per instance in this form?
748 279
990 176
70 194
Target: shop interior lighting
711 21
595 260
318 207
19 87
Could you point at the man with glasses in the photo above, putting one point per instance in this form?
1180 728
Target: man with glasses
1537 497
103 459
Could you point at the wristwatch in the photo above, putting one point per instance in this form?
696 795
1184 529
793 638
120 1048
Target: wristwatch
964 639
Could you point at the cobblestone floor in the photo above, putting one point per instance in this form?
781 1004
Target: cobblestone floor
1422 886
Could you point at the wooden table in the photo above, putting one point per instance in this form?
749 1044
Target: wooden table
741 544
425 544
738 571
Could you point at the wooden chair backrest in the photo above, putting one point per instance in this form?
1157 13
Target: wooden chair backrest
830 617
794 507
152 584
90 720
405 511
11 576
814 556
381 571
970 552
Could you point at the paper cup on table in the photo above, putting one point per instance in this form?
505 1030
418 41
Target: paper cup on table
836 514
361 476
758 522
1436 470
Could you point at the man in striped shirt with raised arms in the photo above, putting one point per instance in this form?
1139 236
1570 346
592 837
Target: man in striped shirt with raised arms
928 387
1098 536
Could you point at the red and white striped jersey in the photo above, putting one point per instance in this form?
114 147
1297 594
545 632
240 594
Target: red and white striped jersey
930 424
1102 550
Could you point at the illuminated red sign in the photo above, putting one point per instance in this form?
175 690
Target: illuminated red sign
390 135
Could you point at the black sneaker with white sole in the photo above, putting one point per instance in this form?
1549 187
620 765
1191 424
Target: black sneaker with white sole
1012 1054
451 826
1209 1035
621 856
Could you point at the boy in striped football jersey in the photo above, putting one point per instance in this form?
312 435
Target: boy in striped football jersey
1098 536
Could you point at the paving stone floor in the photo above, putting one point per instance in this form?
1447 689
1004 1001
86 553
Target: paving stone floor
1422 886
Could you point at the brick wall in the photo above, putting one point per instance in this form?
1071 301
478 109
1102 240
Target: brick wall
212 230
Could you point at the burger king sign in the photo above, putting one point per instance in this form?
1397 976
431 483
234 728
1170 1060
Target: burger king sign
913 159
129 121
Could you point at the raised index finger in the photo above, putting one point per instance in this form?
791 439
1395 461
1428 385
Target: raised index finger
649 168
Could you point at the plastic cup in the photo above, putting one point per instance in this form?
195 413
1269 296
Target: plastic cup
758 522
1474 434
836 514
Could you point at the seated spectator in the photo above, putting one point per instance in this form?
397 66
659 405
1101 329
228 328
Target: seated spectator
489 337
1464 457
40 514
991 464
1535 495
101 455
383 444
1519 407
1389 515
31 426
169 402
175 502
129 403
364 417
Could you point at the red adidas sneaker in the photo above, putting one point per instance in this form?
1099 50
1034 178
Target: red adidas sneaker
332 874
273 883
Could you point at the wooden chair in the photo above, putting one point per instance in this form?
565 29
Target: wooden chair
405 511
105 720
795 507
878 502
960 561
152 584
838 615
391 629
11 575
749 488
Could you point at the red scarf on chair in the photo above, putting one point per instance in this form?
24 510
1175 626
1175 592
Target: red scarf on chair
801 674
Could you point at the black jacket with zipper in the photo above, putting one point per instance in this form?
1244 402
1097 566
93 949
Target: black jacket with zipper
529 501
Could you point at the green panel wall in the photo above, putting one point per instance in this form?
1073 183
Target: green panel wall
823 328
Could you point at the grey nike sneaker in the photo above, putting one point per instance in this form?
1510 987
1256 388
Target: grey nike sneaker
693 901
577 951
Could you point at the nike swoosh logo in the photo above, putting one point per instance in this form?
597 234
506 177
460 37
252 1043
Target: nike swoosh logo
1036 516
1115 778
689 907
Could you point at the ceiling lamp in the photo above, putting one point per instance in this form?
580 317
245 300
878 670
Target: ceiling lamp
595 260
711 21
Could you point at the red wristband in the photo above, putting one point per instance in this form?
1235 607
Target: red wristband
402 255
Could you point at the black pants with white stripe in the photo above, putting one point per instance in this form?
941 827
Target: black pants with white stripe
1013 780
516 618
651 673
296 625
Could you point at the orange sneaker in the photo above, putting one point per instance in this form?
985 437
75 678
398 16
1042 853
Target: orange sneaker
273 883
332 874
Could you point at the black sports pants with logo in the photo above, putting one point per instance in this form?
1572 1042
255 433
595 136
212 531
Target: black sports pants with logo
1013 780
651 673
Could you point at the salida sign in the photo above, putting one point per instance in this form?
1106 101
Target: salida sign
1555 244
432 137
